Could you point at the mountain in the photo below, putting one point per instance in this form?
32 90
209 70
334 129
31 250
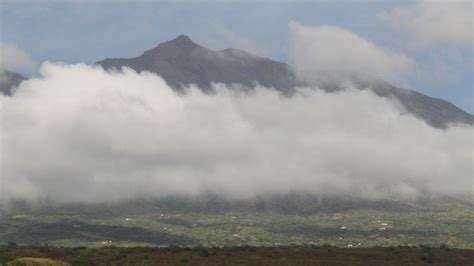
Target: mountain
434 111
182 62
8 81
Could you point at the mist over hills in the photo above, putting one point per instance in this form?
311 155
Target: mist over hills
220 140
119 156
289 126
182 62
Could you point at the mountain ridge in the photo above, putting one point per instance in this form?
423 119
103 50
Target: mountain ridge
9 80
181 62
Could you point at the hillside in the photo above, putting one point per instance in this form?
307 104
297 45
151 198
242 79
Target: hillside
8 81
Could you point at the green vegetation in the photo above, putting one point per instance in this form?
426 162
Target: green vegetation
36 262
155 224
238 255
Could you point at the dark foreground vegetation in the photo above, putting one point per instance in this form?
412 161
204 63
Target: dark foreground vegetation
239 255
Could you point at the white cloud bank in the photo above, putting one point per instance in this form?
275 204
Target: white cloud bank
329 52
12 58
431 22
81 134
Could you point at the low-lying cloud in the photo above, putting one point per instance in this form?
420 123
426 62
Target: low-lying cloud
80 134
326 52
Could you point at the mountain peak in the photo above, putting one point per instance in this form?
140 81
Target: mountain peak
182 39
179 45
182 62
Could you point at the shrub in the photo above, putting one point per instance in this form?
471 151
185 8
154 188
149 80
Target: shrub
204 253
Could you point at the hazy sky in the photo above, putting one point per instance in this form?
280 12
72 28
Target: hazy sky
436 37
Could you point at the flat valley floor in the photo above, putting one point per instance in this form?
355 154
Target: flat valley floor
215 223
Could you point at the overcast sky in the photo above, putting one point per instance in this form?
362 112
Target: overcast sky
435 38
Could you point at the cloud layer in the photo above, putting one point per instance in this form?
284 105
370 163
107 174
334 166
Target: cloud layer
81 134
12 58
329 52
431 22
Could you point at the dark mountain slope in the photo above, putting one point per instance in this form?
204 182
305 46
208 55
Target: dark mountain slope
182 62
436 112
8 81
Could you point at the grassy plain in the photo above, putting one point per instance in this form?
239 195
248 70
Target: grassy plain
438 223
